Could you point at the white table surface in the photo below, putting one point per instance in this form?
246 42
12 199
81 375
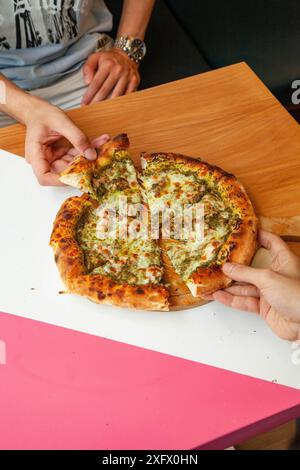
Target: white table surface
30 285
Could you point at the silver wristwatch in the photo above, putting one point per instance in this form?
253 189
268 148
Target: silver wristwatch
135 48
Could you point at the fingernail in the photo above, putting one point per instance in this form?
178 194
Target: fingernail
228 267
90 154
86 79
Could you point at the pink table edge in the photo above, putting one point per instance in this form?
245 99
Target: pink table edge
62 389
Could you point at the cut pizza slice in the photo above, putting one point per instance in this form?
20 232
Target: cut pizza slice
102 251
229 224
113 170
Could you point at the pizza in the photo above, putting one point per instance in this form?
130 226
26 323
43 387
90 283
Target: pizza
98 259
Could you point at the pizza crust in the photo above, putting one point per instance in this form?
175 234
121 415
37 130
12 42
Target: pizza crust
99 289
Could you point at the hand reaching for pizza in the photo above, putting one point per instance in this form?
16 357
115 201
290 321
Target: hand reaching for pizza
52 141
272 293
109 73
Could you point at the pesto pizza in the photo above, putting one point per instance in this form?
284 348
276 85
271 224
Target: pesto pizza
99 261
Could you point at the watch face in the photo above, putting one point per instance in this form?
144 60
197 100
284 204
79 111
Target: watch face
138 49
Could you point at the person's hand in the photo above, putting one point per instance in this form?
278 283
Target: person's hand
109 73
273 293
53 140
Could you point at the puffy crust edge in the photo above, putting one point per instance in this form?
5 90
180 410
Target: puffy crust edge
99 289
239 248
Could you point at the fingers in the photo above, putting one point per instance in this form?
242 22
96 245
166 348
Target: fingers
246 290
207 297
67 158
96 84
284 260
89 69
240 289
99 141
271 242
72 153
239 272
79 140
41 168
109 73
247 303
120 87
96 143
59 166
106 88
133 84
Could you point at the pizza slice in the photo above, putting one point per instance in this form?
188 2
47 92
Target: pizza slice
229 224
113 170
96 254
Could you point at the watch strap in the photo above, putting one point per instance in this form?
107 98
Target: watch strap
124 43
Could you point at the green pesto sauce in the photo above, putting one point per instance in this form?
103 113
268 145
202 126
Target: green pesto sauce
133 261
186 259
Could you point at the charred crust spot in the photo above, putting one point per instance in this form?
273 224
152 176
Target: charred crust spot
222 173
120 293
64 247
76 202
140 291
66 215
238 223
101 295
236 235
121 139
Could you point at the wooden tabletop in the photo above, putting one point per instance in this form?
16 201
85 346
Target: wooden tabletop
226 116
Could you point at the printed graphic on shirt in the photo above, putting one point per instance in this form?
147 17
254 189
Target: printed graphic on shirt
26 33
4 45
60 21
36 23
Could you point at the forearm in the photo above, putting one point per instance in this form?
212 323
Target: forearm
135 18
16 102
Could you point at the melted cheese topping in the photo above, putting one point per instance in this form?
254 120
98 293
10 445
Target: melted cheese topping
132 261
187 256
119 176
167 187
165 184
